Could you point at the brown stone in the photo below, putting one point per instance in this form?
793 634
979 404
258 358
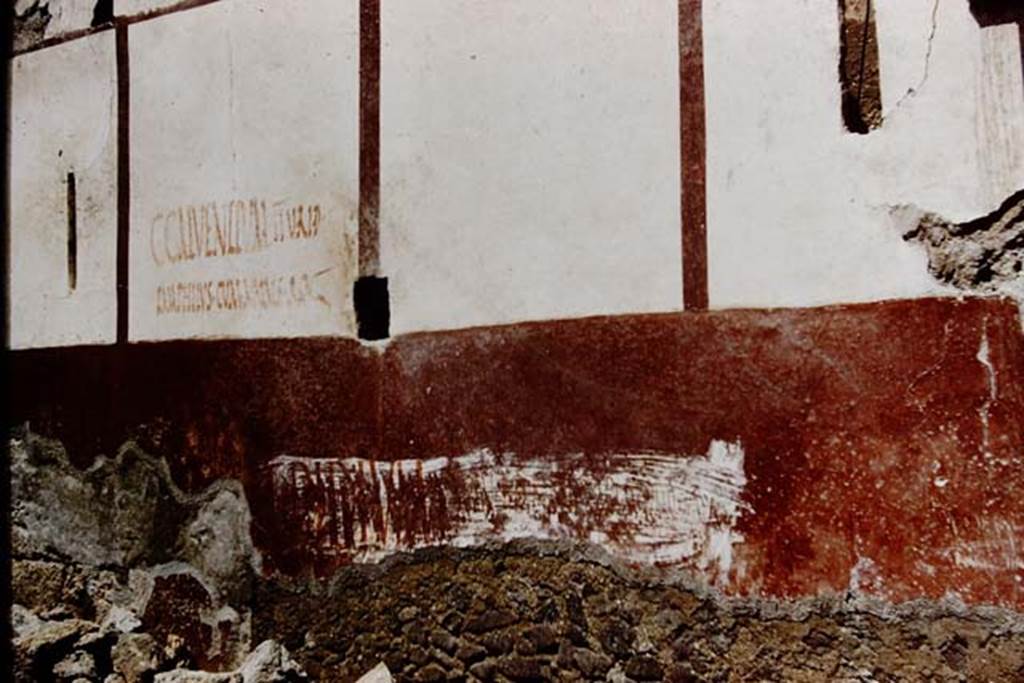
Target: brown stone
491 620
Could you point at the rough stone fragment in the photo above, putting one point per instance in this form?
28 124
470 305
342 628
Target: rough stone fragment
23 621
431 673
378 674
121 620
985 254
543 637
216 541
524 668
491 620
38 585
644 668
121 512
51 635
136 657
483 670
271 662
186 676
471 653
444 640
592 663
77 664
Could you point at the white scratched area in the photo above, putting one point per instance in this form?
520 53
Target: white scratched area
645 507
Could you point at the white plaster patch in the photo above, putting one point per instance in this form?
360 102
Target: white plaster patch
529 160
985 410
63 109
244 170
653 508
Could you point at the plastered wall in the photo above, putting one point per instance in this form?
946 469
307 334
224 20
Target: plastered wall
528 158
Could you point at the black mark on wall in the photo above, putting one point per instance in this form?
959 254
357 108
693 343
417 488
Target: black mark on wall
72 232
103 12
123 179
373 307
858 67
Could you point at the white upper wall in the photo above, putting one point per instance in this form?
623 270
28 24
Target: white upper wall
63 120
800 212
244 170
529 160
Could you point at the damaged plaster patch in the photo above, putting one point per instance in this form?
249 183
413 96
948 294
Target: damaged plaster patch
37 20
983 255
125 511
127 548
649 507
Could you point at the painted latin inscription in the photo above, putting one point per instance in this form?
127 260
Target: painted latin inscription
210 231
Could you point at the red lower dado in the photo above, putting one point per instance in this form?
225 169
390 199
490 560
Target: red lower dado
877 447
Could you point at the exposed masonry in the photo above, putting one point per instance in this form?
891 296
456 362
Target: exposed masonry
117 572
985 254
30 20
35 21
121 549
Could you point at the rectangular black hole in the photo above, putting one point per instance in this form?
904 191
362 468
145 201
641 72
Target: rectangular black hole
373 307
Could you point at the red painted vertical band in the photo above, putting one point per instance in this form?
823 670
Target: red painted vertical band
693 155
123 179
369 137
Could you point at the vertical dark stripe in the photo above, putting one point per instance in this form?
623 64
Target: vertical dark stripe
72 232
123 180
1020 32
369 137
692 153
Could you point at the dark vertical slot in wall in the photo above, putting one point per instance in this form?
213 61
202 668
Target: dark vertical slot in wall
7 652
369 137
370 295
858 66
72 231
123 180
692 134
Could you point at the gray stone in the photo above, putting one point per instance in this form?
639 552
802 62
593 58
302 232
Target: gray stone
23 621
216 540
186 676
121 620
271 662
378 674
136 656
77 664
52 635
591 663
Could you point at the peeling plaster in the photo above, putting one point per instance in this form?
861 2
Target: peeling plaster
984 255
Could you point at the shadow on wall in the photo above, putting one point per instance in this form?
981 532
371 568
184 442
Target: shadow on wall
996 12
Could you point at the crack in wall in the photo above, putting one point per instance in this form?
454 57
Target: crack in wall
912 91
